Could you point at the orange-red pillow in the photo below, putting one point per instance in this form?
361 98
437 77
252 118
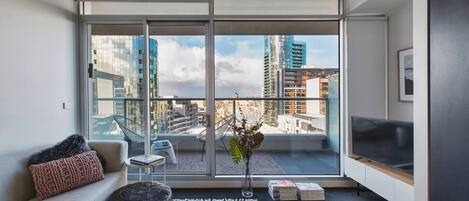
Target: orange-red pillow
57 176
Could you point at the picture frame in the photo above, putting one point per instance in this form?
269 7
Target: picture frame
406 74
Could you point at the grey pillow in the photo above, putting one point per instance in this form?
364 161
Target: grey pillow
73 145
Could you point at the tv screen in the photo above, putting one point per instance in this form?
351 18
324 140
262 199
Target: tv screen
385 141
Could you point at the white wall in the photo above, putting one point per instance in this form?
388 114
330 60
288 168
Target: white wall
420 35
400 37
366 67
37 72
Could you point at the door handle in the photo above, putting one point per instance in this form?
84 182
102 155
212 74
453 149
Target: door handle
90 70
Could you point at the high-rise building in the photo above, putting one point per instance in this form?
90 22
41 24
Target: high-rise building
176 116
280 52
285 76
294 82
317 87
118 64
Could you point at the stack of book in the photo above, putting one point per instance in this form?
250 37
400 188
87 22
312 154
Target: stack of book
282 190
310 191
146 160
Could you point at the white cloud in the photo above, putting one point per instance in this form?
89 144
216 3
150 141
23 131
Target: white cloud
182 70
246 77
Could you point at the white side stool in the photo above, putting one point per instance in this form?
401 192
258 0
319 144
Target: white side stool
164 146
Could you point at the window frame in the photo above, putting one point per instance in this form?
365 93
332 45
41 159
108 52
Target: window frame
84 53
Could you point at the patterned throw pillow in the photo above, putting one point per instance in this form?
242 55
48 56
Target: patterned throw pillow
73 145
57 176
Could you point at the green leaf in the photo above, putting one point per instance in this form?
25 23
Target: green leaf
235 150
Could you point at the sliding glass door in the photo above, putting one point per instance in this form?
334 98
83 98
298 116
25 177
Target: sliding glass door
284 74
172 84
116 82
177 100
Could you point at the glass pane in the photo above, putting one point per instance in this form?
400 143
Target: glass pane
145 8
178 97
276 7
273 65
290 83
302 143
181 66
117 85
180 123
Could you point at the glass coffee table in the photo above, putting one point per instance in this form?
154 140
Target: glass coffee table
151 166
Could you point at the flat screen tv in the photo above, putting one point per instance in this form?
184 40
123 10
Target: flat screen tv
384 141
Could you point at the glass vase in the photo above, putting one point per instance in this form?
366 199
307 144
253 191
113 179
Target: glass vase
246 190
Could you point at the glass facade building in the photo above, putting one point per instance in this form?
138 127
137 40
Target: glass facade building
280 52
118 72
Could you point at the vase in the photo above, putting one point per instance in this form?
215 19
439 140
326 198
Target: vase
246 190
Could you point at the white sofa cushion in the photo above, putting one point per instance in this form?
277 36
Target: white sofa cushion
16 181
98 191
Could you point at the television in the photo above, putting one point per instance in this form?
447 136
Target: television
387 142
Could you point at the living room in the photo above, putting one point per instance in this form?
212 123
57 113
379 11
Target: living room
233 100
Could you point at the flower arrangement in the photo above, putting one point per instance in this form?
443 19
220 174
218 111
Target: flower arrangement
245 140
242 145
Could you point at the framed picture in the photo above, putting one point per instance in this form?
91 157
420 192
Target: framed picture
406 74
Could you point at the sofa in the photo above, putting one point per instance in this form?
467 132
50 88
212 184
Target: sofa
16 182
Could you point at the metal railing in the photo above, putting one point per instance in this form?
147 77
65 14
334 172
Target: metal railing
294 105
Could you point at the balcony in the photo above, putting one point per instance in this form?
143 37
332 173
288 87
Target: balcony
295 143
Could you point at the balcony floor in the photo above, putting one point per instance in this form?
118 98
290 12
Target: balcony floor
319 162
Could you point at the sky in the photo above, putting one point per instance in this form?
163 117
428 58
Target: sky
239 64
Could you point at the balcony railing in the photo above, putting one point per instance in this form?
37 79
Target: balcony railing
288 127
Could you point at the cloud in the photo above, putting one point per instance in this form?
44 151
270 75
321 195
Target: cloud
181 70
225 67
246 74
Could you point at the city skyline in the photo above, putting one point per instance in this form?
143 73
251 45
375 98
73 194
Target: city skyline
237 59
181 62
280 69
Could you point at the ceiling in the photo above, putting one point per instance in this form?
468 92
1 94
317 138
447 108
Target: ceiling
374 6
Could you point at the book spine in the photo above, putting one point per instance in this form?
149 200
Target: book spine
138 162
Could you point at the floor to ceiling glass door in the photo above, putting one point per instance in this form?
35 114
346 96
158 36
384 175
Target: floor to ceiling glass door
178 103
200 81
285 75
177 99
116 83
